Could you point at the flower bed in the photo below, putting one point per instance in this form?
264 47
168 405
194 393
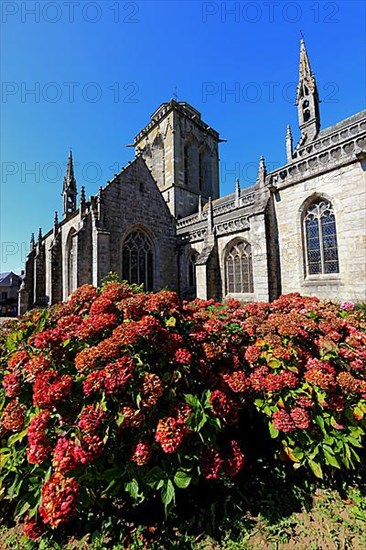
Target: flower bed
125 393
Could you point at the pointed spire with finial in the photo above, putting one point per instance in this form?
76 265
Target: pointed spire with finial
200 206
237 192
40 235
55 224
289 144
262 171
32 242
210 224
307 98
69 188
82 195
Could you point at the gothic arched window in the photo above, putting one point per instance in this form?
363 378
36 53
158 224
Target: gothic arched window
320 238
238 268
138 260
186 164
192 270
159 158
71 258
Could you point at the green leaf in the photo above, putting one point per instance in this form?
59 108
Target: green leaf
182 479
11 341
197 419
171 322
320 421
167 494
112 474
316 468
17 437
132 488
330 458
273 431
192 400
296 455
23 509
354 442
155 476
274 363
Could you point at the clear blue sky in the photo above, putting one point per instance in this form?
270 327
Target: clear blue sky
98 70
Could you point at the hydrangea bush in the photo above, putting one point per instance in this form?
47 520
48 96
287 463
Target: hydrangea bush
121 392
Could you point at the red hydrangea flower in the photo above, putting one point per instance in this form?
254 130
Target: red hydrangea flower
49 338
91 448
304 402
170 434
358 364
164 302
141 453
182 412
233 459
13 416
36 365
258 378
224 407
12 384
91 418
301 418
182 356
282 421
50 388
237 381
112 379
59 499
33 529
132 418
38 444
86 359
96 324
117 374
103 304
320 373
152 389
211 463
93 383
65 458
18 359
350 384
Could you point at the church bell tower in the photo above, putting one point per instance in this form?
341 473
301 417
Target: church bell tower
181 151
307 99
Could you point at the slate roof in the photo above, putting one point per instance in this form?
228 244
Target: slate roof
5 275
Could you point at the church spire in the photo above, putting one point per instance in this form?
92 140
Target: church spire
262 171
307 98
69 189
289 144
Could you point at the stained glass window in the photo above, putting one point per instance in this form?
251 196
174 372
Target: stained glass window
239 272
321 239
138 260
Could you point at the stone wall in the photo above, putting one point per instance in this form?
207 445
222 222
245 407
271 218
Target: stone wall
345 187
133 200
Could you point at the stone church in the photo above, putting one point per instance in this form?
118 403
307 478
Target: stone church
161 221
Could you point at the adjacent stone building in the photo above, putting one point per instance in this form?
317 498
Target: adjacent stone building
9 287
160 221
